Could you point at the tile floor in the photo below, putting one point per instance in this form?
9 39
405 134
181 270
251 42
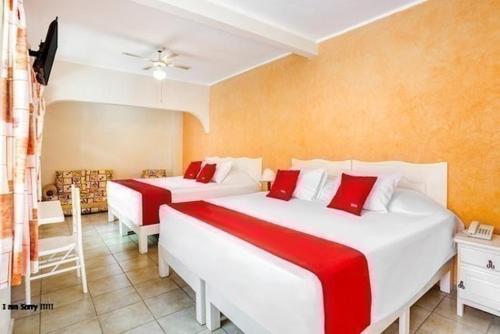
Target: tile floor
126 295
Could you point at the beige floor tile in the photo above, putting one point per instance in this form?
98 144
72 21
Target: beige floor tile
103 227
117 248
155 287
436 324
417 317
17 314
168 303
142 275
108 284
116 299
230 328
17 292
128 255
100 261
95 251
183 321
153 255
94 273
125 318
137 263
27 325
89 326
64 316
64 296
472 317
431 299
494 326
180 282
59 282
149 328
208 331
190 292
92 241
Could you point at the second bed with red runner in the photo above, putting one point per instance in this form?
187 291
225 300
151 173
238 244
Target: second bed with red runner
342 271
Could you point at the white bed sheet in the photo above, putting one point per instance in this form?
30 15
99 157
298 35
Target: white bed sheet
403 252
128 202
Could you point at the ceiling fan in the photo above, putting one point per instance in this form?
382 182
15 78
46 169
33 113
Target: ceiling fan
159 63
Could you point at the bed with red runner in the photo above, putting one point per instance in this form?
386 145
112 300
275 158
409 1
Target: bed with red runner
152 198
342 271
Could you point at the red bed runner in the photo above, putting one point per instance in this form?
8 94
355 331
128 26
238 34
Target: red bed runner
152 198
342 271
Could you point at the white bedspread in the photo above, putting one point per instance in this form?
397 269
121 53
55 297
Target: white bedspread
403 253
128 202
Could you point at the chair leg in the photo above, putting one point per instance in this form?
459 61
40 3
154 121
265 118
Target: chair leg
27 285
82 270
78 271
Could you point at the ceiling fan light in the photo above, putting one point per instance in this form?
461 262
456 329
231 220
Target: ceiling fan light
159 74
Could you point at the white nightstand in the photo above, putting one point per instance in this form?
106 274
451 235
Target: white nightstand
478 274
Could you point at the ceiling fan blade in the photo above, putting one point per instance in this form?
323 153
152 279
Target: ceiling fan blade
147 67
135 56
183 67
169 56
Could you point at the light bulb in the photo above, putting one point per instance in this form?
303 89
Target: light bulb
159 74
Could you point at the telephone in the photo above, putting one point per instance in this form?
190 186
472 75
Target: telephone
480 231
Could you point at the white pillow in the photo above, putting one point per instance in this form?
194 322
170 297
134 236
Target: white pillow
382 190
222 168
309 183
413 202
329 189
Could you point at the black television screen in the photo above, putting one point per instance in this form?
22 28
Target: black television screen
44 57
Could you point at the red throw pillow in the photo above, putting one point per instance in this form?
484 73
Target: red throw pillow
206 173
352 193
284 184
192 170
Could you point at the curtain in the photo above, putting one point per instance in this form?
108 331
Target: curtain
21 116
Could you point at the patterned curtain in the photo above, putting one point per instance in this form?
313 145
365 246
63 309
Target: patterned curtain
21 116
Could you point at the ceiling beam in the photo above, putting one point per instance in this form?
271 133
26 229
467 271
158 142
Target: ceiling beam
234 22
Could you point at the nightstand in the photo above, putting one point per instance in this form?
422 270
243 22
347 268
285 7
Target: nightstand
478 274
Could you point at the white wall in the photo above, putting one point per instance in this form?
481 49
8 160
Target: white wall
124 139
74 82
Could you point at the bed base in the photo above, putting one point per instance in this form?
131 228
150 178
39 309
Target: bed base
125 225
166 261
215 303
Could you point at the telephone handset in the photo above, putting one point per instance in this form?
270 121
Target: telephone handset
480 231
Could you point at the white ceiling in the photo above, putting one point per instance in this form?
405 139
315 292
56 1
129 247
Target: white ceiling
95 32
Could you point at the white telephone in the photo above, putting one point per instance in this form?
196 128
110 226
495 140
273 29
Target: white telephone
480 231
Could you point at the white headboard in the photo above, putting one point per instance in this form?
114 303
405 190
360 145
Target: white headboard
333 168
430 179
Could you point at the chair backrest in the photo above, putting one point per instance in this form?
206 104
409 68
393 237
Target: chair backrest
76 212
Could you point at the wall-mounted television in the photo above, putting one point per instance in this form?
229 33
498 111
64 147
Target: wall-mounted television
44 57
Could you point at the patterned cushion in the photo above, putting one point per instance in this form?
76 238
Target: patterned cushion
92 184
153 173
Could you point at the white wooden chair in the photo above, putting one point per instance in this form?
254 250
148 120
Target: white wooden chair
58 250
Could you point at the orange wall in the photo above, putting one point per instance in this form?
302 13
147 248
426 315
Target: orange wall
422 85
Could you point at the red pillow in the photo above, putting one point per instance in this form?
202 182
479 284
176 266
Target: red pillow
192 170
352 193
206 173
284 184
